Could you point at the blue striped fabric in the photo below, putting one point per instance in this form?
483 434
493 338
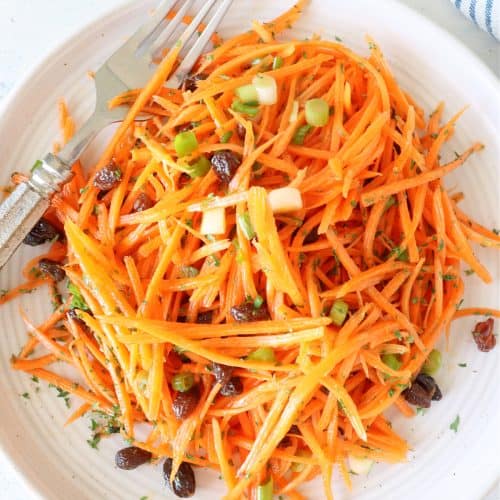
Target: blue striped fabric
485 13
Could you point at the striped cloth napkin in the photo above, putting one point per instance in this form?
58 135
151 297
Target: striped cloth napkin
485 13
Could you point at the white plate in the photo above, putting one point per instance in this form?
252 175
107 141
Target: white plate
58 463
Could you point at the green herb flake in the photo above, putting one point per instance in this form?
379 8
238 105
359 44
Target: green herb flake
77 300
25 395
94 441
226 137
391 392
448 277
420 411
398 335
469 272
462 365
35 379
454 425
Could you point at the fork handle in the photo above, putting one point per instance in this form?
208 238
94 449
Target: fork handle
29 200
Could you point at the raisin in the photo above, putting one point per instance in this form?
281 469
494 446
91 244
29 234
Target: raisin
185 403
233 387
204 317
42 232
247 312
427 382
225 163
417 395
184 127
222 373
483 335
131 457
52 268
286 441
142 202
438 395
184 483
312 236
73 314
423 390
108 177
240 131
191 82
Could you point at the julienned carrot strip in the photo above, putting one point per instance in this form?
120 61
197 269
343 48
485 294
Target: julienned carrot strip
375 230
370 197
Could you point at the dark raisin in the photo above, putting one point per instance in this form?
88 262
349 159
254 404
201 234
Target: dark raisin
232 388
286 441
184 483
224 164
142 202
247 312
131 457
185 403
184 127
73 314
483 335
108 177
52 268
42 232
438 395
191 81
240 131
204 317
417 395
427 382
222 373
102 194
312 236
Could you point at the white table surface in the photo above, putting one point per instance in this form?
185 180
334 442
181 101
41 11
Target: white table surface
31 28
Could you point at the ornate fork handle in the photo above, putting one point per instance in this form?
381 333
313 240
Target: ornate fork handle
29 200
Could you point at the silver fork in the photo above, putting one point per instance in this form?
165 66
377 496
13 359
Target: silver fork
128 68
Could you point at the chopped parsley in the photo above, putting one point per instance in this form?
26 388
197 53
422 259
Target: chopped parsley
25 395
94 441
462 365
420 411
77 300
454 425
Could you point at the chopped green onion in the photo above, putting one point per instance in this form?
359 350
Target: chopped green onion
200 167
277 62
226 136
294 114
246 226
182 382
77 300
262 354
266 88
189 271
185 143
432 363
257 302
247 94
392 361
338 312
317 112
265 491
246 109
37 164
300 134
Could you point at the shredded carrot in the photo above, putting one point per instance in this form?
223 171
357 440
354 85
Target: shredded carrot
301 304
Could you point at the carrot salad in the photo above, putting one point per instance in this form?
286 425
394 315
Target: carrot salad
263 267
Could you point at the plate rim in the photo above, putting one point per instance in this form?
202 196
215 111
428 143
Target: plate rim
29 479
